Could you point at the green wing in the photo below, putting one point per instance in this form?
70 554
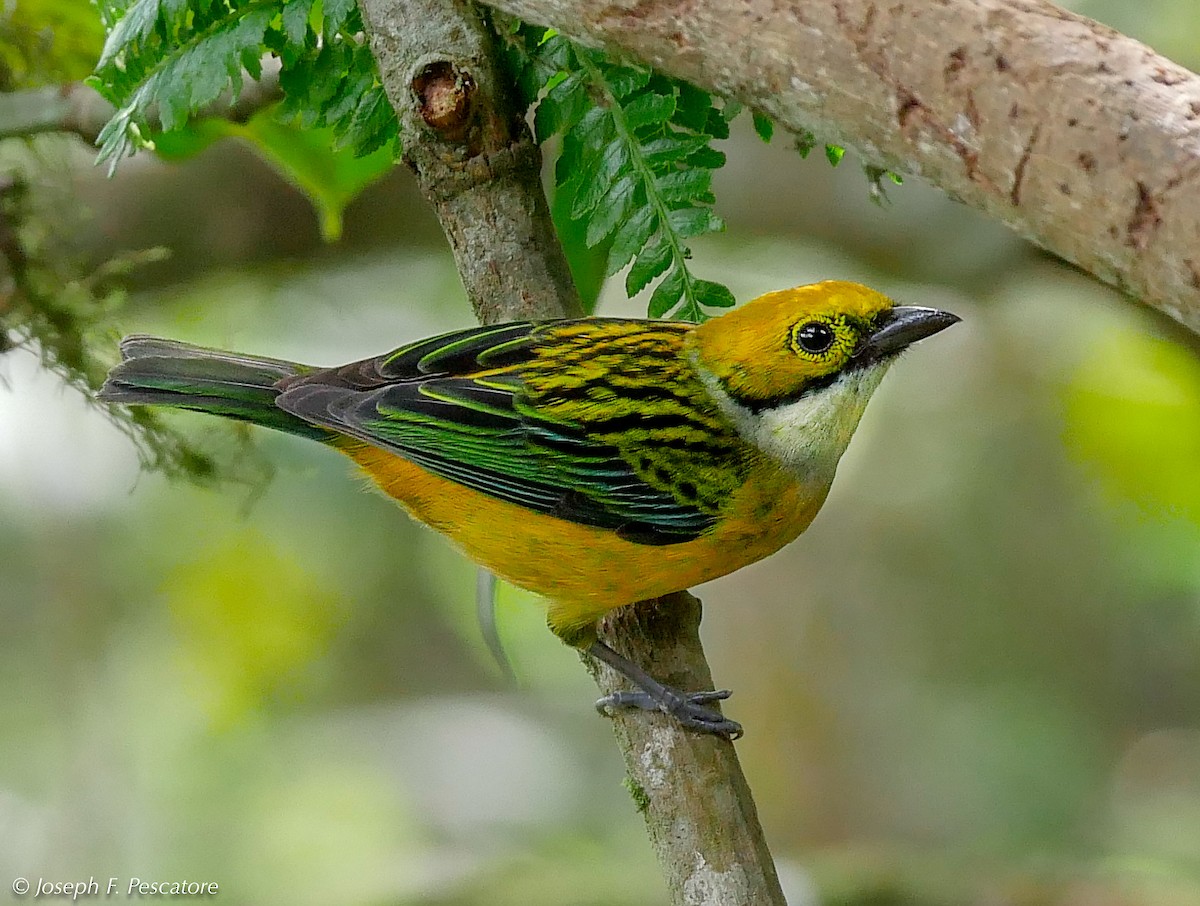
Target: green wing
597 421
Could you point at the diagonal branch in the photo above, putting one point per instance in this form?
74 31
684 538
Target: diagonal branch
699 810
1077 137
480 170
79 109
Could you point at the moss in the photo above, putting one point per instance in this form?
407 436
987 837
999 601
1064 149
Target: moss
60 308
641 800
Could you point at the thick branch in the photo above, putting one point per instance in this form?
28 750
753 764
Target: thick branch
1077 137
480 170
473 156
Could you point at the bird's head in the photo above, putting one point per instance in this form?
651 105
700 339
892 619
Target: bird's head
794 369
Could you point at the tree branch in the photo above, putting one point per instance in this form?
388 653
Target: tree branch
1077 137
699 810
474 158
76 108
480 170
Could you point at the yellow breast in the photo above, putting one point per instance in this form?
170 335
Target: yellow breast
585 571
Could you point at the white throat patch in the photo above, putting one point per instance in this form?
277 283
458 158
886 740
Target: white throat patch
807 436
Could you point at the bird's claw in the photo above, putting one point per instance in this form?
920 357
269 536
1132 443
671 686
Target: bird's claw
686 707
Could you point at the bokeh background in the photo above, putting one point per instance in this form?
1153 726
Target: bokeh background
974 680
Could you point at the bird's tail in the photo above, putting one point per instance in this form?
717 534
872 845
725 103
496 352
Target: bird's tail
158 372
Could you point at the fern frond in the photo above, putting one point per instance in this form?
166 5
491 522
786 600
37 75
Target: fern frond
193 75
636 164
177 56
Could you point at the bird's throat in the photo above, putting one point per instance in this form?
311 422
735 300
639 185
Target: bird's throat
806 434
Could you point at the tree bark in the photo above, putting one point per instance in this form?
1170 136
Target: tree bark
699 811
481 172
1077 137
473 156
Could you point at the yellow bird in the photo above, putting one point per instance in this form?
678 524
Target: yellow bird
598 461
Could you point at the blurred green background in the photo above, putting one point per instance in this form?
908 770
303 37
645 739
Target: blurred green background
974 680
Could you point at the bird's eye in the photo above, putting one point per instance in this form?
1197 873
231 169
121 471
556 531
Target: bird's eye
814 337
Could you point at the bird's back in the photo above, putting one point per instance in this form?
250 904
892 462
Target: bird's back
599 422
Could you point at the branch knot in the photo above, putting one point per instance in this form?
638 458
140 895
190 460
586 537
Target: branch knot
521 157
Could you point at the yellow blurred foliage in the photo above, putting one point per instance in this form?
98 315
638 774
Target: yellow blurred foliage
47 41
1133 414
250 619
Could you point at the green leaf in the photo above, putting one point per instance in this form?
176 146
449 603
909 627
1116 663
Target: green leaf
685 186
649 109
625 80
666 294
689 222
562 107
673 147
316 84
599 178
629 237
193 138
611 210
205 69
713 295
330 178
764 126
693 108
136 25
555 52
337 12
373 125
186 80
875 175
586 264
119 137
707 157
834 154
295 20
347 92
595 128
650 262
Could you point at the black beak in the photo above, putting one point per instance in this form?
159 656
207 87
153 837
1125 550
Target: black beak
903 326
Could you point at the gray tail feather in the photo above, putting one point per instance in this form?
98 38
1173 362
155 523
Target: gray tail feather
159 372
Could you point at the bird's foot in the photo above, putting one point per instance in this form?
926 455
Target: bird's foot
686 707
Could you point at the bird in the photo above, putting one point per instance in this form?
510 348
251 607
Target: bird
594 461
